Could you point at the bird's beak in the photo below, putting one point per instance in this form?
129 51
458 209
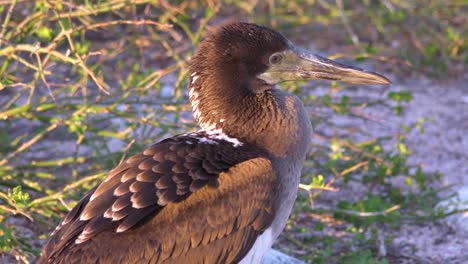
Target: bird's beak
298 64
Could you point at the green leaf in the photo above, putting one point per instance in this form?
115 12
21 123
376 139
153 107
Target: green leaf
402 148
409 181
319 226
19 197
401 96
44 33
41 6
398 109
82 47
421 178
7 242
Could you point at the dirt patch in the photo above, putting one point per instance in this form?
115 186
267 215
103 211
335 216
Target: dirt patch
443 147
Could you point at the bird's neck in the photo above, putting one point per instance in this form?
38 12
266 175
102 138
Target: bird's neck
272 118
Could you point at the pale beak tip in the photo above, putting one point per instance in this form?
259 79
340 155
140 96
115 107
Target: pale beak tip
375 78
385 80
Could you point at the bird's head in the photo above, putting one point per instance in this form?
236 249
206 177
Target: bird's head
261 57
235 68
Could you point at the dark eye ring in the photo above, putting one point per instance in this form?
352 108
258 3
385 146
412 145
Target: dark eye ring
276 59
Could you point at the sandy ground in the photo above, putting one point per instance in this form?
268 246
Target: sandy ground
443 147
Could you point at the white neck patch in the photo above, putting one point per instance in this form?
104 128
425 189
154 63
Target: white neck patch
213 137
195 102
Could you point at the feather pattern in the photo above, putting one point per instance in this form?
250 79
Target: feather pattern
177 173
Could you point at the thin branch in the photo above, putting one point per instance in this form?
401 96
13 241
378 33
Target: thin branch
362 214
311 187
353 168
16 210
7 20
344 19
28 143
59 195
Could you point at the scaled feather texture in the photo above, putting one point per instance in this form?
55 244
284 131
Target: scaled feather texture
170 172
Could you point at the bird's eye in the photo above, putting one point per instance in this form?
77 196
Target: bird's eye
276 59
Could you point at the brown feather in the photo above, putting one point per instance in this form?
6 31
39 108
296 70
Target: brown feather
146 198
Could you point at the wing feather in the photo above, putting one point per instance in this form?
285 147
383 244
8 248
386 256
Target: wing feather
181 200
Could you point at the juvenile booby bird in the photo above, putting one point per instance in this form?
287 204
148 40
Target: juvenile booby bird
219 195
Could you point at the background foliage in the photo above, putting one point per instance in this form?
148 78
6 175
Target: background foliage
85 84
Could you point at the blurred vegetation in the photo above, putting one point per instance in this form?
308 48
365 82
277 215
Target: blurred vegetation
84 84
